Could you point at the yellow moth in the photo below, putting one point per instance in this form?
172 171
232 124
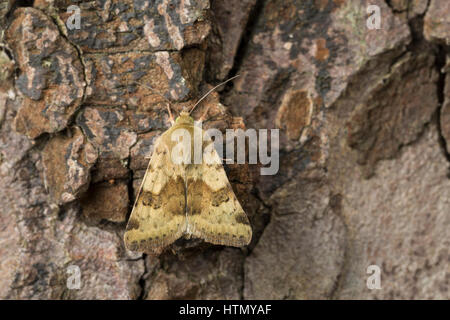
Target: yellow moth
185 198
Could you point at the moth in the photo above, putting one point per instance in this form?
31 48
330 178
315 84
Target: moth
187 199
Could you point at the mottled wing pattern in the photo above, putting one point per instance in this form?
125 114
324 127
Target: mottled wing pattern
159 215
214 213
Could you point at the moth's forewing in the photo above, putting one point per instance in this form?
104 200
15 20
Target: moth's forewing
158 217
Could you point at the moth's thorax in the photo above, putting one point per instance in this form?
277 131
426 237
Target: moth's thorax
184 118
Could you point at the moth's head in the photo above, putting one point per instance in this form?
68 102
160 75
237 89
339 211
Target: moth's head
184 118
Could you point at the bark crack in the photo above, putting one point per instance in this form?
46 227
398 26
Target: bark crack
440 64
63 33
141 281
249 29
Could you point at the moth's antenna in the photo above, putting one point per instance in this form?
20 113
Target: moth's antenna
159 94
207 94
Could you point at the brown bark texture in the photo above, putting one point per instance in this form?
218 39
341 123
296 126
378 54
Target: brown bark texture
364 120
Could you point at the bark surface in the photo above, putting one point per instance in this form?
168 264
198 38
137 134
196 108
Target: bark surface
364 119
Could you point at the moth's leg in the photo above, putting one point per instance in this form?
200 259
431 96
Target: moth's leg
203 116
171 119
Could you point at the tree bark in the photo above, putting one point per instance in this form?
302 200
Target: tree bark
364 119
